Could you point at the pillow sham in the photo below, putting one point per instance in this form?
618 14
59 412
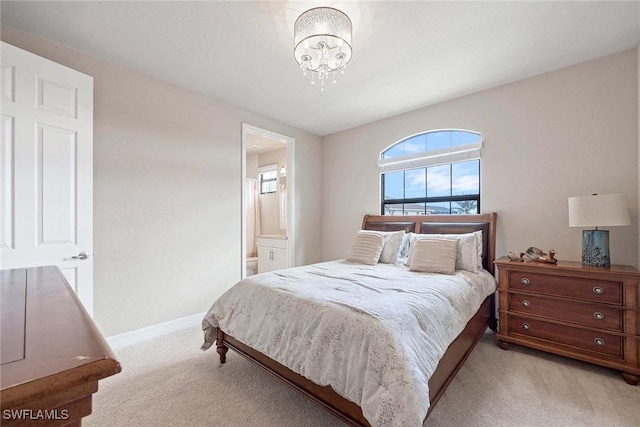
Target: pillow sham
434 256
366 248
467 257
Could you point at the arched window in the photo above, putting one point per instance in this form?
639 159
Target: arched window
435 172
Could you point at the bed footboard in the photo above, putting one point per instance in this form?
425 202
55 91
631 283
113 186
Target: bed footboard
346 410
324 396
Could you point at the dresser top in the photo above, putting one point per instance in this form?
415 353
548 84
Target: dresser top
46 332
574 266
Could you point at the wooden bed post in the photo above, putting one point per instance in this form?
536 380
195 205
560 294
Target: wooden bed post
220 347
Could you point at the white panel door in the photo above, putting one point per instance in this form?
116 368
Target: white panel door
46 161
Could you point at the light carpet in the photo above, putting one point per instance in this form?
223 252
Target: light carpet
169 381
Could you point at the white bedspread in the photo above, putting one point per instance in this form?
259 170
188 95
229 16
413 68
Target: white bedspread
374 333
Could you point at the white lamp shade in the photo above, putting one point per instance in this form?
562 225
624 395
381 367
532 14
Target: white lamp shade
598 210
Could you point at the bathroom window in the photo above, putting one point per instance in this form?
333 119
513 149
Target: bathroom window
268 177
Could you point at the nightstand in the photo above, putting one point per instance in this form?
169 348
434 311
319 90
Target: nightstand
587 313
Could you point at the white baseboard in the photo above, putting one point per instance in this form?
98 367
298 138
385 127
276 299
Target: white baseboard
144 334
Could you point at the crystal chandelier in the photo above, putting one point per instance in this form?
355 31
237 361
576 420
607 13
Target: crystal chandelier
322 40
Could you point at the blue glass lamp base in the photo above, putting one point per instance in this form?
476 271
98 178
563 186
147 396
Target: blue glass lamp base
595 248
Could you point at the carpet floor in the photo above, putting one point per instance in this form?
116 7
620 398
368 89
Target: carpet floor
169 381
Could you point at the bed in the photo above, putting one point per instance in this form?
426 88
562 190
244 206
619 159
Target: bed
294 368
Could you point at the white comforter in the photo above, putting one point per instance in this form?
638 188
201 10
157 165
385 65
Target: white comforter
374 333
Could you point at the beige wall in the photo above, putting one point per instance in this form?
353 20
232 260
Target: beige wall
167 192
638 88
566 133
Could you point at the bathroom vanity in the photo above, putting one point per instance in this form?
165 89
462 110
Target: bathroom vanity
273 252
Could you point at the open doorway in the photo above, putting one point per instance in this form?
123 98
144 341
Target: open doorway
267 201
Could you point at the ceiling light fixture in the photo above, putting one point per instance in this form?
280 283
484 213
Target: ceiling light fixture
322 43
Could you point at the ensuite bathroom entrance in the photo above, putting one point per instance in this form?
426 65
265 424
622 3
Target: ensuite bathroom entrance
267 200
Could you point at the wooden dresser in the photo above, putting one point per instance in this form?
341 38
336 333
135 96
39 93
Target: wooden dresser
587 313
52 353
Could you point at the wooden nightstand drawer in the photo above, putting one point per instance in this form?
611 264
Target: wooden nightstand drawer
597 342
583 289
574 312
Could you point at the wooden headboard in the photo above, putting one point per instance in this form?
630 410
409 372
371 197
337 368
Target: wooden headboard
442 224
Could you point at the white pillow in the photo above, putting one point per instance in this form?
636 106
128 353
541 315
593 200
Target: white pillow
434 256
467 257
366 248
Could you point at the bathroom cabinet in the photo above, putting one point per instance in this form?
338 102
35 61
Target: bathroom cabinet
272 253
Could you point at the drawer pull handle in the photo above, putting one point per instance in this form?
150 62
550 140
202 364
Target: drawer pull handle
526 326
598 315
526 303
598 290
599 341
525 281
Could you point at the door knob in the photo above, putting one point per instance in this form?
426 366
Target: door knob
81 256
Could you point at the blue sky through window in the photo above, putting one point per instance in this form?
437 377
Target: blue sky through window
455 179
430 141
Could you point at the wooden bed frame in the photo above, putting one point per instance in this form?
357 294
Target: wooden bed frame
453 358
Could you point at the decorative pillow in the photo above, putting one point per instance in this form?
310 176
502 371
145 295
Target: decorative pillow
392 246
467 250
434 256
366 248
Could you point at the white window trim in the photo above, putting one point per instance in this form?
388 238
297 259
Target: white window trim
432 158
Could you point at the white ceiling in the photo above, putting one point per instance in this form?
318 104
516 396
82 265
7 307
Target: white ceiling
406 55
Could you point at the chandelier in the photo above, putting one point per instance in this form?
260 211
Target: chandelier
322 40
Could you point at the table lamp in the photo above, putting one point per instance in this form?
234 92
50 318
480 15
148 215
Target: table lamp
597 210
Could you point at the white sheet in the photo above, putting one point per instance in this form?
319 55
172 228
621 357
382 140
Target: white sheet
374 333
